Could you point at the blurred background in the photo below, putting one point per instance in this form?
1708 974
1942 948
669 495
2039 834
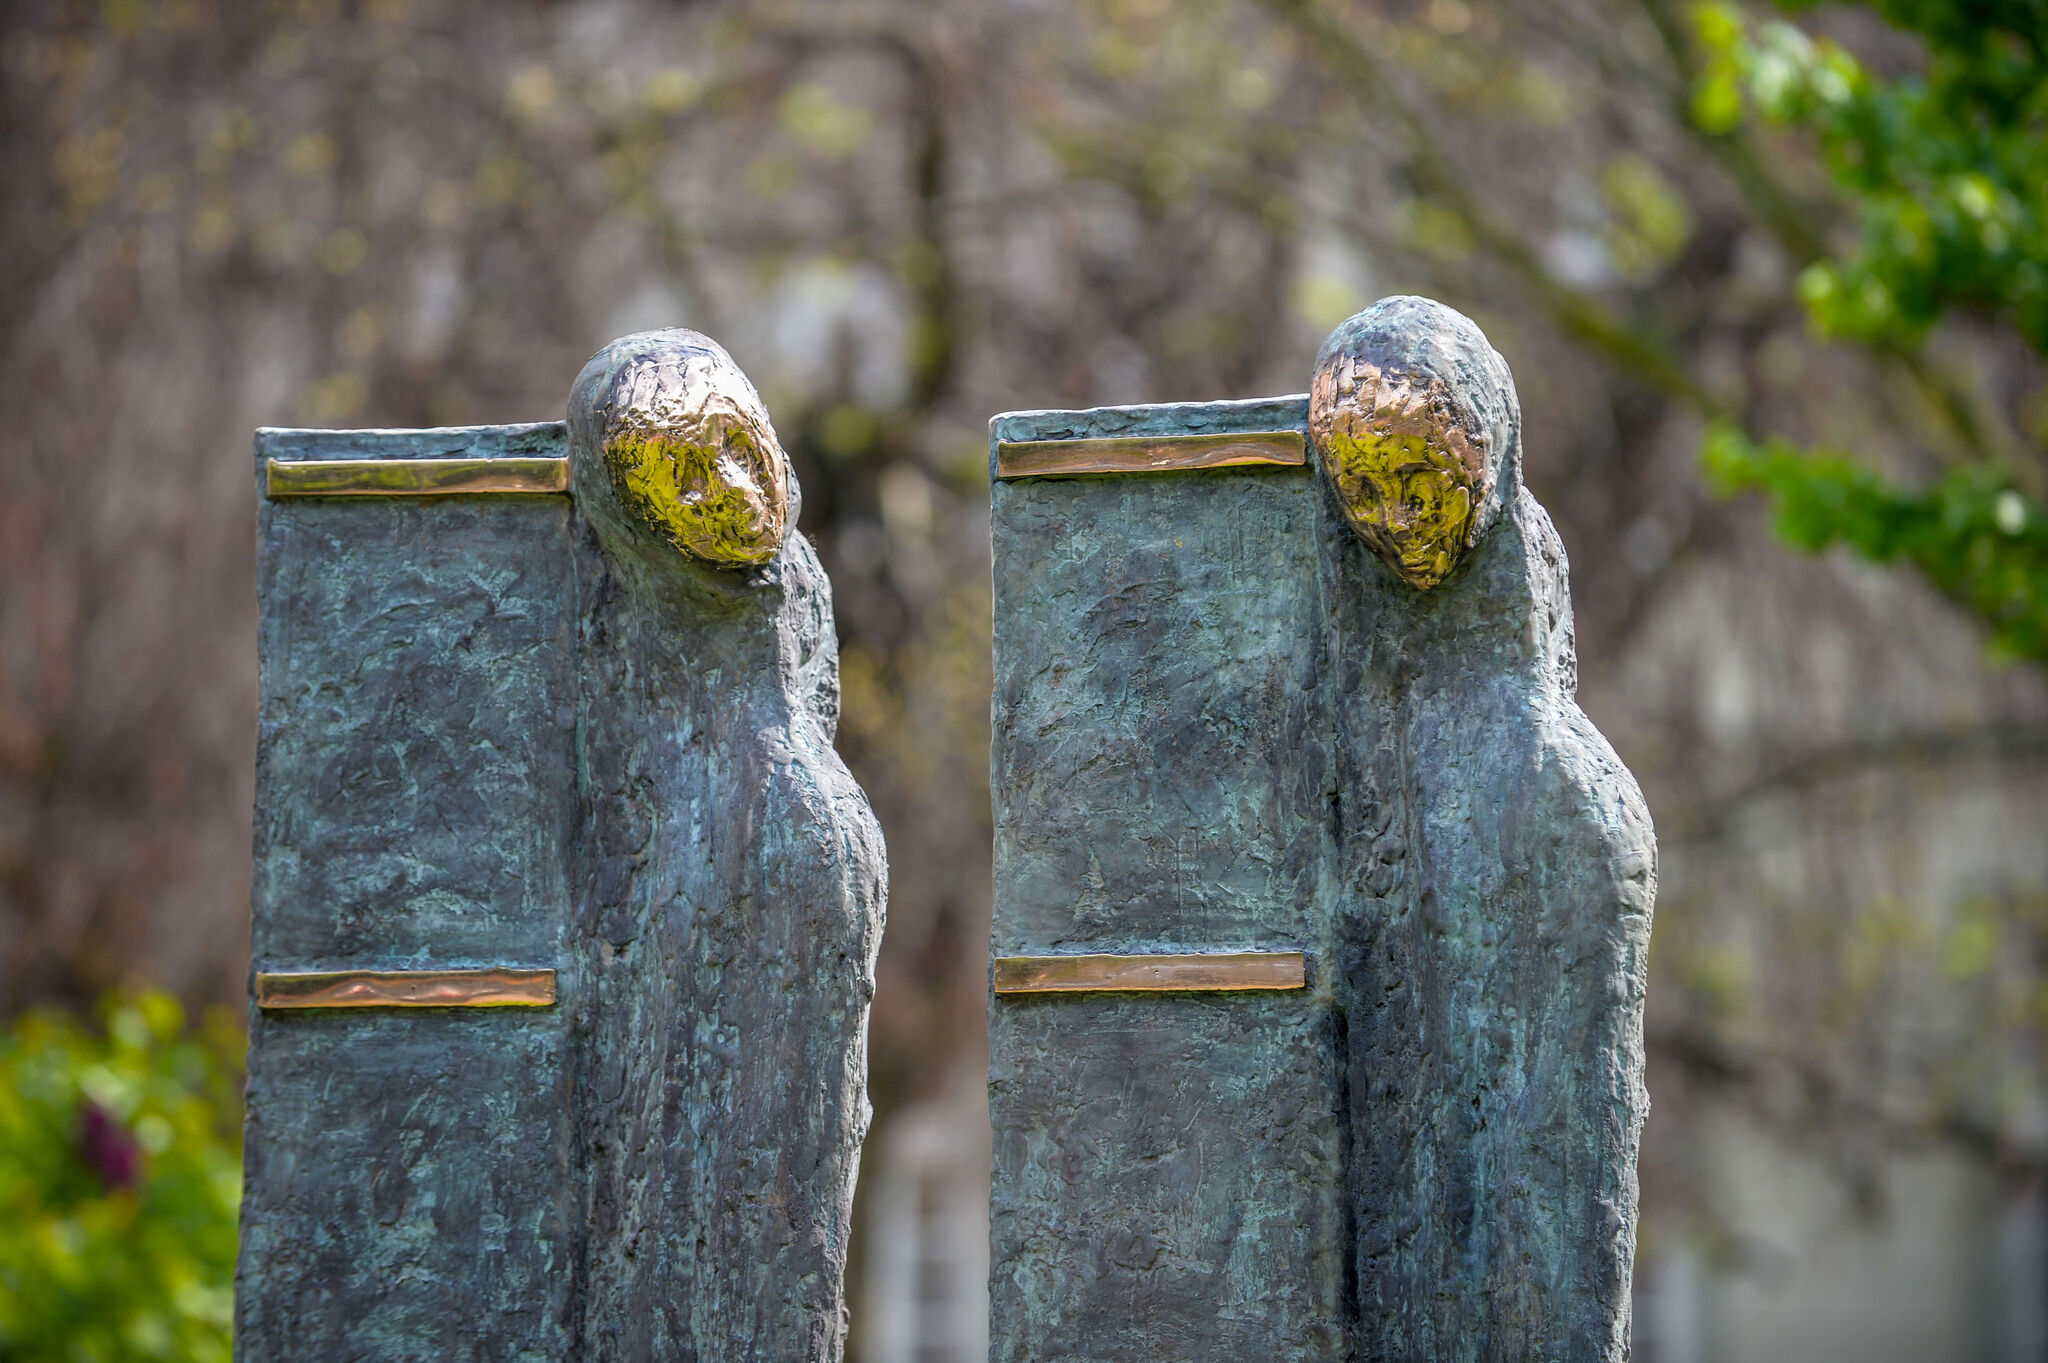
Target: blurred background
1774 285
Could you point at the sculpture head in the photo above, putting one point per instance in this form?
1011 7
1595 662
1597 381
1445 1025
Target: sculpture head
687 445
1418 430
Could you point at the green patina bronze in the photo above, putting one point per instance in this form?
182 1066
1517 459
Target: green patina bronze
520 734
1328 710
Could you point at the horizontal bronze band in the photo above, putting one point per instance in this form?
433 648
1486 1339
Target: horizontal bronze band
1209 971
496 987
1148 453
412 477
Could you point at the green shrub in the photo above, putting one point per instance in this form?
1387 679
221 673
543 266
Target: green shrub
120 1180
1945 172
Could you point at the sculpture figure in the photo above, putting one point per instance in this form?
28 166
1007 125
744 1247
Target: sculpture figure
566 911
1498 873
734 877
1287 684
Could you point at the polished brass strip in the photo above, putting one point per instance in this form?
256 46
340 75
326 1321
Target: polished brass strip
1148 453
1151 974
497 987
412 477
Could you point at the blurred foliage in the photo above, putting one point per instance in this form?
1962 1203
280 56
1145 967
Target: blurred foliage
120 1181
1976 538
1947 169
903 215
1946 172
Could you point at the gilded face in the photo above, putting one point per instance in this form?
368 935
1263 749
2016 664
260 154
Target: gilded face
690 448
1409 474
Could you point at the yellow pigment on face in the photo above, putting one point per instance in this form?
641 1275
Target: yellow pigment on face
715 497
1407 496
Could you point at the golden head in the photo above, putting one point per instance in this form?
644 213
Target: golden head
1410 456
689 448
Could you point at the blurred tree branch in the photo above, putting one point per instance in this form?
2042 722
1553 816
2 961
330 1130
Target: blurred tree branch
1637 350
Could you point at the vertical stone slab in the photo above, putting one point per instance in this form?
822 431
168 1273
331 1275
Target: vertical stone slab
1330 706
409 1188
584 731
1167 1166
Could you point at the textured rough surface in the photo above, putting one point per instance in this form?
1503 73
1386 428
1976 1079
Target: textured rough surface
691 451
408 1174
1410 454
1168 1168
731 902
1429 1154
528 731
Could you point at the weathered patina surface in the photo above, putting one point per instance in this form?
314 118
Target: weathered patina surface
409 1182
730 910
533 732
1168 1168
1494 918
1428 1154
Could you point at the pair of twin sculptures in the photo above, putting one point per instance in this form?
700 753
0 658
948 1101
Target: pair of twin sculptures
1321 910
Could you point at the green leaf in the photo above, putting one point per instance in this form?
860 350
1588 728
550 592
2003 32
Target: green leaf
1977 538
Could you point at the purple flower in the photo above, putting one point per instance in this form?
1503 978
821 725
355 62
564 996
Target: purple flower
106 1145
